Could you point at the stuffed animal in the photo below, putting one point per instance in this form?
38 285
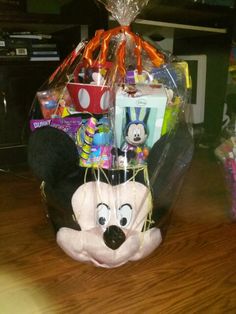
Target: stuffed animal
106 216
136 134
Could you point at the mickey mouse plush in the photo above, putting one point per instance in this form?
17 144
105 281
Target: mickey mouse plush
104 216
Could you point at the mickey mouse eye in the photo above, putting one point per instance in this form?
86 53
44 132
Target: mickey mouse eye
124 215
103 214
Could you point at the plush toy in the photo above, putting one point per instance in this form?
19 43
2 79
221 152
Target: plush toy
136 133
106 216
136 129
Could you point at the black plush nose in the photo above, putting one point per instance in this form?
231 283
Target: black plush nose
113 237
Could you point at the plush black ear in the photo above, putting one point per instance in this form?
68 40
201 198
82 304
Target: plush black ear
52 154
168 160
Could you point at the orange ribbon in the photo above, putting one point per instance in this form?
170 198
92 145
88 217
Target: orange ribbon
92 46
156 57
104 47
103 38
138 51
121 58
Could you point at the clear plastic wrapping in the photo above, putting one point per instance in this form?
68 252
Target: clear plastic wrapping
226 154
110 143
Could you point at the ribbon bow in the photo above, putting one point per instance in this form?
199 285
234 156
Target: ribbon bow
102 38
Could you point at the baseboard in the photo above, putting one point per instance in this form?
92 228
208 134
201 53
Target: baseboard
14 155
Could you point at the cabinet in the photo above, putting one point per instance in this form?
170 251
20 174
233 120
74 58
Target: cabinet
20 78
18 84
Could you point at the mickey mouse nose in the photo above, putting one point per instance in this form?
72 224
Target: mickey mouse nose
113 237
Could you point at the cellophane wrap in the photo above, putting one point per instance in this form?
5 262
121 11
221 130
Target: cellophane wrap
226 154
111 142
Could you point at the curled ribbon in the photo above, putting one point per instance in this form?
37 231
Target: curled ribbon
103 38
92 46
121 54
156 57
138 51
104 47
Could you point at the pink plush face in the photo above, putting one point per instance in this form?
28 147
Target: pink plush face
111 220
98 204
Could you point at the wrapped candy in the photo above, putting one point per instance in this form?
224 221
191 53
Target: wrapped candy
109 189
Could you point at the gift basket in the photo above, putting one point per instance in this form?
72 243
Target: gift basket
110 143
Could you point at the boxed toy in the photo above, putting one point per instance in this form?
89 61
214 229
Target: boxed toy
140 111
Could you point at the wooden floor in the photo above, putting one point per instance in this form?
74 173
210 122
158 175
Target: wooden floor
193 271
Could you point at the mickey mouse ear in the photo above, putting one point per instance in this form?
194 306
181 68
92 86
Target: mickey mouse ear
52 154
137 113
168 161
142 113
132 113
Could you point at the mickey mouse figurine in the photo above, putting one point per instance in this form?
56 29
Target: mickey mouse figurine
136 133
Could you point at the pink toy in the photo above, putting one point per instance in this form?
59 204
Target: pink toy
99 215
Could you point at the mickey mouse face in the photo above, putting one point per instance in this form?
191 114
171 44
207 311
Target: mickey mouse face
111 220
136 134
99 205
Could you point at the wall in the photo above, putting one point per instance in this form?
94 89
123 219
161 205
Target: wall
217 49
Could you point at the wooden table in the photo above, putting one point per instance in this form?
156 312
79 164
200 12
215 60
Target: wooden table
193 271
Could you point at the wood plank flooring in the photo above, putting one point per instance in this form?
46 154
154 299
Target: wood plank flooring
193 271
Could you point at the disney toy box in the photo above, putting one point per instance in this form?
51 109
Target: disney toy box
148 103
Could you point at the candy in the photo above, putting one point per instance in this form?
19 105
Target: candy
88 138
